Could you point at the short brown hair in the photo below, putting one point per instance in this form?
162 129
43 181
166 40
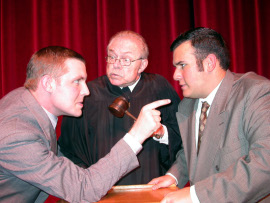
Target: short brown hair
48 60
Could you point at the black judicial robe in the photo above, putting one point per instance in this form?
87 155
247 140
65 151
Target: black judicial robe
90 137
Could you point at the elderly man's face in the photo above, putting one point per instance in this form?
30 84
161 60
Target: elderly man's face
125 48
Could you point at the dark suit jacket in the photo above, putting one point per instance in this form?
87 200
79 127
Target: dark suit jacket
29 162
234 160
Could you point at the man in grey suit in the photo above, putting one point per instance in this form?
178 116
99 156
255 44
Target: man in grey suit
232 163
29 166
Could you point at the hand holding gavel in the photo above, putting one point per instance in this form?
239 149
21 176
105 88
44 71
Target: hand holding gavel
119 108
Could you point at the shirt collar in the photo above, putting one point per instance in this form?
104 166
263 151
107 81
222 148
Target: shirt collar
131 87
209 99
52 118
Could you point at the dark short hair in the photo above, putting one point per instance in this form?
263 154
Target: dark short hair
48 60
205 41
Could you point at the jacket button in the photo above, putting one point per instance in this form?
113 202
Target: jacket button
217 168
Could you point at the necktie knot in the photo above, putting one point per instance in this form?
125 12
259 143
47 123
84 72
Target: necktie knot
202 122
205 107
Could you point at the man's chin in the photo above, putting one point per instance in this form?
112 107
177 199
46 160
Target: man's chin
187 94
77 113
116 82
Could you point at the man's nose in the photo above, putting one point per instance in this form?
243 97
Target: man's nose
85 91
177 74
117 64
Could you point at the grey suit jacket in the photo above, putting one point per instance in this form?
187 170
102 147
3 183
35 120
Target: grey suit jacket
234 160
29 163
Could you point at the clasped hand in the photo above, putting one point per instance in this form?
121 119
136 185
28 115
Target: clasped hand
148 121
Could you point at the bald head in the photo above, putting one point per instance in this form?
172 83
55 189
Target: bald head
135 37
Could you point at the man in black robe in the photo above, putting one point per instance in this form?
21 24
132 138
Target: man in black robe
90 137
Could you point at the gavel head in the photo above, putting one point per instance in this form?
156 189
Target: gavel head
119 106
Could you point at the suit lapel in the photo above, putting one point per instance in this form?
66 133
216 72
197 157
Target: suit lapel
186 121
208 150
42 119
214 129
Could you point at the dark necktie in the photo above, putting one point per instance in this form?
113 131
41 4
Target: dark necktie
202 122
126 92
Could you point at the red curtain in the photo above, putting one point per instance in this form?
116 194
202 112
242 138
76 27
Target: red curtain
87 25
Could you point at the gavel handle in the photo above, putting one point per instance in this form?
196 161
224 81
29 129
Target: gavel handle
130 115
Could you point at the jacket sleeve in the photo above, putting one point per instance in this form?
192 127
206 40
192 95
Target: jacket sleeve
27 156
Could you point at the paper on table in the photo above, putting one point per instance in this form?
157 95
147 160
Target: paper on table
143 186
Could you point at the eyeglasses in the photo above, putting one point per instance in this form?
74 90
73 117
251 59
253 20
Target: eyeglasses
123 61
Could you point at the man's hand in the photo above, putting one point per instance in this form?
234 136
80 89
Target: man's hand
162 182
180 196
148 121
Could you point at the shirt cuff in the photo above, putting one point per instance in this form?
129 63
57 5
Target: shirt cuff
193 195
176 182
133 143
165 138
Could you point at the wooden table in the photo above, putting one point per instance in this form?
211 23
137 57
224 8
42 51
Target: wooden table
136 193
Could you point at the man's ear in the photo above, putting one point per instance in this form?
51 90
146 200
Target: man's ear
48 83
143 66
210 62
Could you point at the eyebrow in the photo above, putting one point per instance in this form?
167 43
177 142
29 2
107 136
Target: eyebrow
111 50
80 78
178 63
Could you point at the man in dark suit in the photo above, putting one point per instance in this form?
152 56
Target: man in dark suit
29 166
226 148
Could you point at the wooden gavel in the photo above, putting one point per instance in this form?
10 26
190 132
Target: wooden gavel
119 108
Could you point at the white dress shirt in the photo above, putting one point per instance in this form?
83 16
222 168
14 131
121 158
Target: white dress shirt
209 99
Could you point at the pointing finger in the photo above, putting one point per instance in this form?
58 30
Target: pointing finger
157 104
